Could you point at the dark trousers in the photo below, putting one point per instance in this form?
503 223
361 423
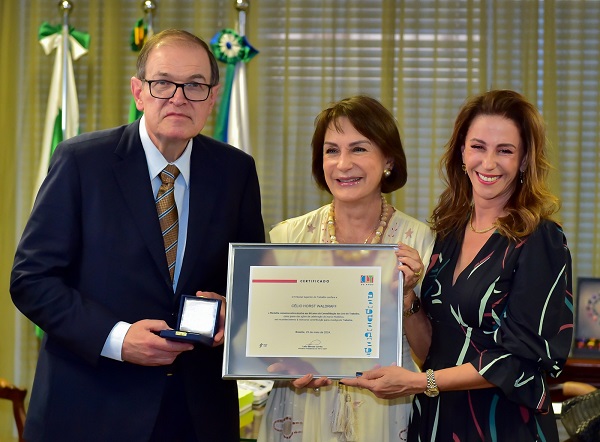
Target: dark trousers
174 422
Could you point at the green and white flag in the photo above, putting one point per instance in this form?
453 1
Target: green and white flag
51 38
232 124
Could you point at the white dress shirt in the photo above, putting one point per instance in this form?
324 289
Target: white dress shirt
156 163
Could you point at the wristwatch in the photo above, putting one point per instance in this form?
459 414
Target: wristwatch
432 388
414 308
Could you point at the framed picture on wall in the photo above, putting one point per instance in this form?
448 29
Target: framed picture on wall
587 319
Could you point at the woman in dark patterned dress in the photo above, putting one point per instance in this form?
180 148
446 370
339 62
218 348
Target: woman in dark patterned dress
497 289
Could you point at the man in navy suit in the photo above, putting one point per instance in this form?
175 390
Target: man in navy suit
91 270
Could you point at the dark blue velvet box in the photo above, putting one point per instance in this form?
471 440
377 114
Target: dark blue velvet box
198 321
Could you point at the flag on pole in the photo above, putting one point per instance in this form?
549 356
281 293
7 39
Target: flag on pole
139 34
232 124
51 38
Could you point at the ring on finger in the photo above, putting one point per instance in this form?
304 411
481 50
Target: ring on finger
419 273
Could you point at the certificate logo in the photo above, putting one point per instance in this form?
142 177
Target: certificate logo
366 279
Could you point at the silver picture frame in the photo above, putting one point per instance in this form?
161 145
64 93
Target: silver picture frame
365 331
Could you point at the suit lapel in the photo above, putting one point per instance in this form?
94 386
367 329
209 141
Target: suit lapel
132 177
203 200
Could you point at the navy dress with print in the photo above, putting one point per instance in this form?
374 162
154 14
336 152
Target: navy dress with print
510 315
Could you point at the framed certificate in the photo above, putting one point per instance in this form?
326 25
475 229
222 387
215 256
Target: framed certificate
293 309
587 319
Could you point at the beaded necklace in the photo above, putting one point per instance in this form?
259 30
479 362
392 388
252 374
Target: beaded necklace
386 211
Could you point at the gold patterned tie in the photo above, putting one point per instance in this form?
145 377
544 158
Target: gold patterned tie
167 214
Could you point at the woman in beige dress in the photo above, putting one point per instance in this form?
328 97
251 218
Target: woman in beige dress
357 157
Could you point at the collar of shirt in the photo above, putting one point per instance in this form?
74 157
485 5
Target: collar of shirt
156 162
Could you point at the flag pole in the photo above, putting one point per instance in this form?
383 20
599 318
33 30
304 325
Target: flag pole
65 7
239 132
242 6
149 7
143 29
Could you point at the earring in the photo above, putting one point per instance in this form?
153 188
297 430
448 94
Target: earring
387 173
521 176
464 168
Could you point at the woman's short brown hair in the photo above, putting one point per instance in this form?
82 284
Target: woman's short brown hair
374 121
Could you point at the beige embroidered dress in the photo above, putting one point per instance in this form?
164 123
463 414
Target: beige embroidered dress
339 413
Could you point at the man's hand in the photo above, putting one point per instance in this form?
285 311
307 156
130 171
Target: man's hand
143 346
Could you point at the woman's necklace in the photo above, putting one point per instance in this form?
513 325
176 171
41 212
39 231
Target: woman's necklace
480 231
377 232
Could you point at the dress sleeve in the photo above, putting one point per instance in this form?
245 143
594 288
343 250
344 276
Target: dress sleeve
302 229
536 328
279 233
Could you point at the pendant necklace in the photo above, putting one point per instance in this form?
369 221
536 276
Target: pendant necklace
479 231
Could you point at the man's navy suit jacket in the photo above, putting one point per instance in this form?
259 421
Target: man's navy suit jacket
92 254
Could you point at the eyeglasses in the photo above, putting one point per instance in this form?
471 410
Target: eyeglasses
164 89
